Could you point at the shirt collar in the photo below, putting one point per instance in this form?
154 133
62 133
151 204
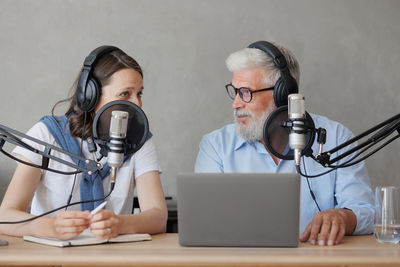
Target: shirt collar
241 142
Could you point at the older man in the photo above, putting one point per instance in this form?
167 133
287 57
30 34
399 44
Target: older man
332 205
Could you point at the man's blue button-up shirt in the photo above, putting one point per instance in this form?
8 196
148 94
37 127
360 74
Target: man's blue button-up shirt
224 151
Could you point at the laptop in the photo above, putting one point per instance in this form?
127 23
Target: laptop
238 209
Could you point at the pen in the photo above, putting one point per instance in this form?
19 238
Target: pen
98 208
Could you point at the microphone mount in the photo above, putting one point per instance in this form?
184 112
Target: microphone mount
290 124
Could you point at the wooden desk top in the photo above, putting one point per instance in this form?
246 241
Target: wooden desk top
165 250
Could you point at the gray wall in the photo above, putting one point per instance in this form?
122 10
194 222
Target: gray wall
348 52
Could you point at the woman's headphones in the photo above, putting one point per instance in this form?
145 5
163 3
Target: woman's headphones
286 84
88 88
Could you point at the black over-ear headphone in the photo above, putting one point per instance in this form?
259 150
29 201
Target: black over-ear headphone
286 84
88 88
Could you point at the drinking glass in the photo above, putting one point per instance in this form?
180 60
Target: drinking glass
387 214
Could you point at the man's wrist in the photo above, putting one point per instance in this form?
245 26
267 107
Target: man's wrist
350 220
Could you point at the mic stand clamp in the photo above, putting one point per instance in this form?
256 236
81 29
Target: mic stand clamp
322 158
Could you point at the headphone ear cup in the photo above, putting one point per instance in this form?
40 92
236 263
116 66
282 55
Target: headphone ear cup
88 88
280 93
291 85
91 98
283 88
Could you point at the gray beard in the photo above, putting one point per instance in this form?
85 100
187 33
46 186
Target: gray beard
254 131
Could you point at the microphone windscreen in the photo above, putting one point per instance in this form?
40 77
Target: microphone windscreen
138 126
276 137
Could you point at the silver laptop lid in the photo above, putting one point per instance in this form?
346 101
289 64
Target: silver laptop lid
238 209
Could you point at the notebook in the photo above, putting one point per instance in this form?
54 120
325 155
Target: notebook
87 238
238 209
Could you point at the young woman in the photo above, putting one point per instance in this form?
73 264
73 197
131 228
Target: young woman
119 77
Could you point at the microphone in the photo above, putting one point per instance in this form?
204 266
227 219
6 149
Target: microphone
296 115
137 131
117 135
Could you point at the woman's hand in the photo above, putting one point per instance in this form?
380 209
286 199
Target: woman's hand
69 224
105 224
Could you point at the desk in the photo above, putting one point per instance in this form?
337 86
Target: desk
164 250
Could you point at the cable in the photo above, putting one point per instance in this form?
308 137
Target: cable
374 151
37 166
314 176
352 158
59 208
345 164
80 147
309 187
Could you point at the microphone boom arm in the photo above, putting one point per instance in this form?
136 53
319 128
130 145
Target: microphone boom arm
8 134
390 124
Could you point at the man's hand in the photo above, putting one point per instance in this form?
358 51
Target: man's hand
331 225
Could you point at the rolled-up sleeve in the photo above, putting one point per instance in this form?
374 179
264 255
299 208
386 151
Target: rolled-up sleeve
353 191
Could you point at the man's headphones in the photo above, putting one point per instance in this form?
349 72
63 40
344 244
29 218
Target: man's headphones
286 84
88 88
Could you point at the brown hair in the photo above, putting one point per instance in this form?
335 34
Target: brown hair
105 67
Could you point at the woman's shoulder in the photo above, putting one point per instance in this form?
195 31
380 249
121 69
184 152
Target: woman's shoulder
149 145
148 150
40 131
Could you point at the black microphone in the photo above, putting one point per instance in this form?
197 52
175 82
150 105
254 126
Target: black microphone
296 115
117 135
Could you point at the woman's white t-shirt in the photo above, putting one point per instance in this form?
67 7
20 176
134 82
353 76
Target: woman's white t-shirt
54 189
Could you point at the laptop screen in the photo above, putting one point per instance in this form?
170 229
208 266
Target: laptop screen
238 209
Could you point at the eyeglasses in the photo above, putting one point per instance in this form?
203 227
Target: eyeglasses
245 93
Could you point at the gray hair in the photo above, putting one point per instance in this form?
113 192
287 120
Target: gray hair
249 58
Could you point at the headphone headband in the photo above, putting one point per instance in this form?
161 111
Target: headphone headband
272 51
98 53
90 61
286 84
